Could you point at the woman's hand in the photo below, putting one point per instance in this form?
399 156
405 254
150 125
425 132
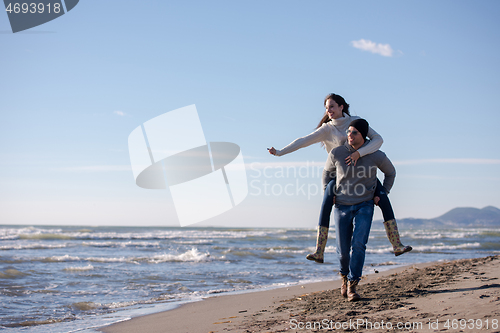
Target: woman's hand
376 200
353 158
272 151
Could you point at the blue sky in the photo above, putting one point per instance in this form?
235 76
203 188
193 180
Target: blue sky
425 74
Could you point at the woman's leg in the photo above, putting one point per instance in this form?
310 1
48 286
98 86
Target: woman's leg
390 224
324 223
384 203
327 204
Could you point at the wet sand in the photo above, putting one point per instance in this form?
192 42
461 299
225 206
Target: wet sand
456 296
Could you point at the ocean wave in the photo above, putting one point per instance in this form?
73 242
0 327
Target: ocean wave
45 291
79 268
32 246
438 247
13 233
41 233
491 233
443 247
239 253
285 250
121 244
111 259
379 250
11 273
65 257
296 250
490 245
386 263
441 234
117 305
237 281
191 255
29 323
85 306
219 291
45 236
193 242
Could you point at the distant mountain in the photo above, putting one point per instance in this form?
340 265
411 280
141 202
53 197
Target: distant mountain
462 217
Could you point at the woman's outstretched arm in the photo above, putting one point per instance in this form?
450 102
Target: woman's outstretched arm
315 137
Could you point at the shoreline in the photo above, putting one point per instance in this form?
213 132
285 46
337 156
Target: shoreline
248 300
404 294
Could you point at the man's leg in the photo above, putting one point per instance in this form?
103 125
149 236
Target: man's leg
343 229
363 215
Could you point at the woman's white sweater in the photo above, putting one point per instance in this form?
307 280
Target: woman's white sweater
333 134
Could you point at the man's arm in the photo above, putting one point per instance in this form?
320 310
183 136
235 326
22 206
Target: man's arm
385 165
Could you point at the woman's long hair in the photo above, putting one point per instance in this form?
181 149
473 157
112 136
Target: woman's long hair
340 101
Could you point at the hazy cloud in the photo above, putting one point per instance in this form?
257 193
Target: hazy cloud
120 113
298 164
481 161
367 45
95 168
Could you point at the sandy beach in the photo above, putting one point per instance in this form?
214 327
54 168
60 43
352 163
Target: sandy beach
456 296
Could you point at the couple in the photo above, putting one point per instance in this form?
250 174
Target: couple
345 138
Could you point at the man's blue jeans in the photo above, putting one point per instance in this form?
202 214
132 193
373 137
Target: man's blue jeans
326 207
352 227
